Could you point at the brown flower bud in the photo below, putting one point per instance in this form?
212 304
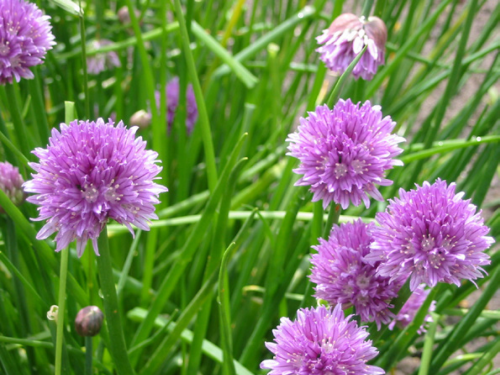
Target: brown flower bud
88 321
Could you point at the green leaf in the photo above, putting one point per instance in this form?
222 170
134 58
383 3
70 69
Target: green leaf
69 6
238 69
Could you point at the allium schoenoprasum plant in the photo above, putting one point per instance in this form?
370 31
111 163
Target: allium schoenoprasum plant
333 202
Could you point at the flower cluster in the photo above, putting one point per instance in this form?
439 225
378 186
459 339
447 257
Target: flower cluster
345 39
321 341
102 61
11 183
172 93
432 234
25 38
344 152
92 172
343 276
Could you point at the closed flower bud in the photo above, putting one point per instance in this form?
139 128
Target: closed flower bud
88 321
11 184
141 118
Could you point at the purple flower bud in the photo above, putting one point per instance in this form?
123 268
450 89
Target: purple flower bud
11 183
88 321
321 341
25 38
431 235
141 118
345 39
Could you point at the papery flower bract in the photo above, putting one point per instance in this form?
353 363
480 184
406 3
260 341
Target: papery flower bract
344 151
411 307
432 234
342 276
11 183
91 172
321 342
102 60
345 39
172 91
25 38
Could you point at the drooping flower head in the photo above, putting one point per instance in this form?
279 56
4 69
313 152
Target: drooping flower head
102 60
320 342
173 90
411 307
89 173
25 38
432 234
345 39
342 276
344 151
11 183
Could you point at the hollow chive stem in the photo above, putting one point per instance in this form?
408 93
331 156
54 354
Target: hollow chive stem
118 349
61 307
88 355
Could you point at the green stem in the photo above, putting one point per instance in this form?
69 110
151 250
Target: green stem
15 113
335 94
204 121
62 305
118 350
88 355
333 219
428 346
84 65
367 7
398 302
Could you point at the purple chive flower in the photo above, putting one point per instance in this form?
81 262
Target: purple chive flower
345 39
89 173
432 234
344 151
172 90
102 61
25 38
342 276
321 342
411 307
11 183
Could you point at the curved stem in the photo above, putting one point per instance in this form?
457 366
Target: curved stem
118 349
61 307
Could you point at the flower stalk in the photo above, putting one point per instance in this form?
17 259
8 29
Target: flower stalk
111 310
62 306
